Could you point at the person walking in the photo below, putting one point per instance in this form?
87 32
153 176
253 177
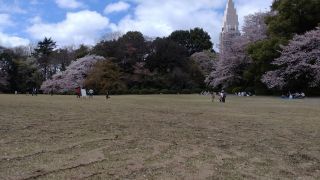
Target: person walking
223 96
34 92
107 95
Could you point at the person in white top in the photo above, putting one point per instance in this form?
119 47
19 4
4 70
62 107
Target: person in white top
91 93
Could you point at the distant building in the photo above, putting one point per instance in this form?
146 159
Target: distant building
230 27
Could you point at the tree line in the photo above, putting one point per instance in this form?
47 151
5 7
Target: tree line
133 64
277 51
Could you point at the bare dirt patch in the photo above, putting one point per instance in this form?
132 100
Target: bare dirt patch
158 137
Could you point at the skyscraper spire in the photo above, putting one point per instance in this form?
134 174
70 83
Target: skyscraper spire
230 20
230 27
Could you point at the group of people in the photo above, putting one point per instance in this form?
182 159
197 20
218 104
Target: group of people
33 91
221 95
83 92
296 95
243 94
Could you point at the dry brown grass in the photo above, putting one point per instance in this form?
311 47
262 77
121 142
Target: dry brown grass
158 137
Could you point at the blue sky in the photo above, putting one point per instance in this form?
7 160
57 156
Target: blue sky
74 22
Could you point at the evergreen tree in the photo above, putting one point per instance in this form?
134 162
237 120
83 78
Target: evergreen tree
43 53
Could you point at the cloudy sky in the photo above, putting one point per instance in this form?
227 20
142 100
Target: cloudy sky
73 22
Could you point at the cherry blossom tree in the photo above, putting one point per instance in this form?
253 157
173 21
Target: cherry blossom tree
72 77
255 28
298 65
228 70
234 60
205 60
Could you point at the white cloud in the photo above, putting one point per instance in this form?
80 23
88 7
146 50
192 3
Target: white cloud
116 7
160 18
69 4
35 20
5 21
11 7
83 27
12 41
7 40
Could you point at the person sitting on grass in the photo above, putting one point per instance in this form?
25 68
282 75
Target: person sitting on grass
90 93
301 95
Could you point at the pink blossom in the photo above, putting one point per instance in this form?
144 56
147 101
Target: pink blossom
299 62
72 77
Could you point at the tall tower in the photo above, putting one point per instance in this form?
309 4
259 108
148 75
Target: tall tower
230 27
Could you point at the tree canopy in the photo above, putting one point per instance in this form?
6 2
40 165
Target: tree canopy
104 77
42 53
293 17
298 67
194 40
73 77
229 71
287 18
277 50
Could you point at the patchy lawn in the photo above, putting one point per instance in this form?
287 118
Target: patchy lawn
158 137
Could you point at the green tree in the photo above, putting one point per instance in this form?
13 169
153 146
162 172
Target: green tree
43 53
18 72
126 51
24 75
105 76
82 51
107 48
262 54
165 55
194 40
133 49
6 64
293 17
171 66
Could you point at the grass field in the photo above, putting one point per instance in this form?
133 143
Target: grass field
158 137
